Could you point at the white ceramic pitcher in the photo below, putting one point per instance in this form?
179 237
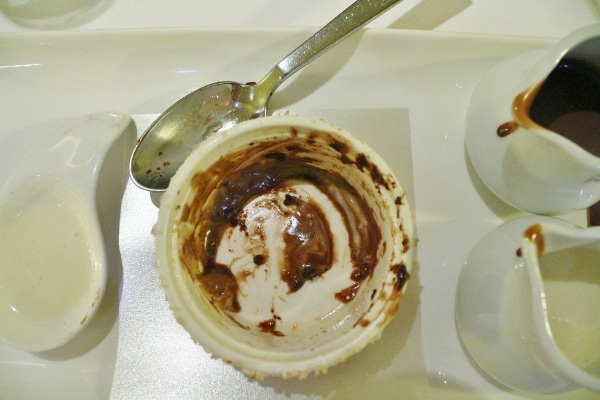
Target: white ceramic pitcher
528 305
523 161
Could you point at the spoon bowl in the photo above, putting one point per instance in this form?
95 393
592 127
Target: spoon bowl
184 125
218 106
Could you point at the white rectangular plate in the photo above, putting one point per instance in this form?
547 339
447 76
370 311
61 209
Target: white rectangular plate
405 93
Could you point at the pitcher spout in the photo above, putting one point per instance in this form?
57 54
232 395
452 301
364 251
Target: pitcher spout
533 127
564 278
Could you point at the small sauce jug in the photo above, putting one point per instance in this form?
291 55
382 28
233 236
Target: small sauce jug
533 127
527 306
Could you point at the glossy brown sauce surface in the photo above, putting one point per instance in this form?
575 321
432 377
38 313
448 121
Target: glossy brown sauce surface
567 102
507 128
221 192
270 326
308 243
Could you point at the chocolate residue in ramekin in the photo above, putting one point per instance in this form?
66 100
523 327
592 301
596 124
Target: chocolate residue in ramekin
222 191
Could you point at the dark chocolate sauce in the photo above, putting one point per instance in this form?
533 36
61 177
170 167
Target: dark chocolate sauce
402 276
269 326
259 259
566 102
308 243
222 191
348 294
507 128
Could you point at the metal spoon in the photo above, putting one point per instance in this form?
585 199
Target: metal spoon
175 133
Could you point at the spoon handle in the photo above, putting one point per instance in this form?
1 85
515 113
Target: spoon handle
346 23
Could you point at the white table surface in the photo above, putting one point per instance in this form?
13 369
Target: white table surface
533 18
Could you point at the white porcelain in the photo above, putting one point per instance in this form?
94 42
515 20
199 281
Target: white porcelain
527 305
532 168
155 357
53 264
52 14
309 328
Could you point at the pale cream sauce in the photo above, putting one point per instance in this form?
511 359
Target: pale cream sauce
46 260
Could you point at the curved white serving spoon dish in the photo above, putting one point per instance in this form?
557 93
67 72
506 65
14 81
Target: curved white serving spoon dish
52 255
